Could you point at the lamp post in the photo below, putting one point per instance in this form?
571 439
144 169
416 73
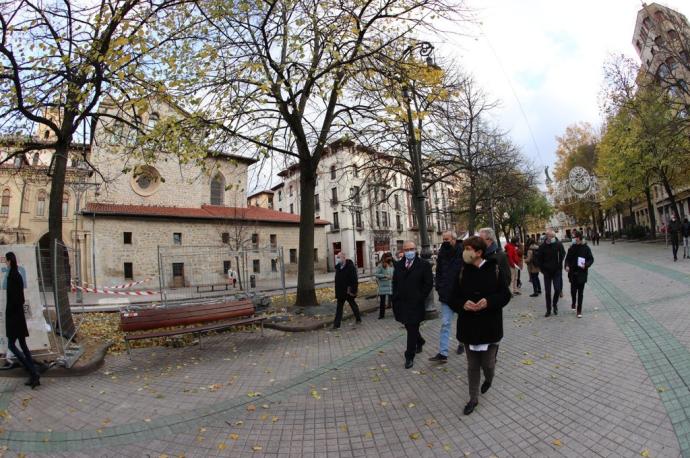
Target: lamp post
353 209
79 188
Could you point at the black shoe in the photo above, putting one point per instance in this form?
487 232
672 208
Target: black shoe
335 328
469 408
439 358
409 362
547 314
534 295
33 381
572 306
418 350
555 310
485 386
460 350
358 321
381 317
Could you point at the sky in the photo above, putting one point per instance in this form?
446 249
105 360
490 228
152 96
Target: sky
546 57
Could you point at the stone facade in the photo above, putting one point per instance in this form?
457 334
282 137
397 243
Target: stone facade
263 199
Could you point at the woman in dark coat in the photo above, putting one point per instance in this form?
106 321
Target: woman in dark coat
15 321
577 262
483 292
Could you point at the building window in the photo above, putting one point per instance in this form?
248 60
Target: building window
317 206
384 219
290 188
41 203
358 219
280 196
218 189
65 205
127 238
355 194
378 219
383 195
270 202
153 120
226 266
178 269
293 256
274 265
355 170
333 172
256 266
129 271
336 224
334 195
292 208
396 202
177 238
398 222
316 254
5 203
35 159
225 237
255 240
273 238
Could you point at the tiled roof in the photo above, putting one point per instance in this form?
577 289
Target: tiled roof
214 212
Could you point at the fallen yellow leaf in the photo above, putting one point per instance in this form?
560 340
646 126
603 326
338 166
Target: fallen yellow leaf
234 436
257 448
645 453
222 446
415 436
527 362
251 408
557 442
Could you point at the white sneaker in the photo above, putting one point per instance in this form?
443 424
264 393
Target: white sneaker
579 316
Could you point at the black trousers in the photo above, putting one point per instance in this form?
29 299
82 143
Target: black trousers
556 279
414 340
534 278
674 245
577 292
24 356
339 310
382 304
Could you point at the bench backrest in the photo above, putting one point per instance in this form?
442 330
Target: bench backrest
139 320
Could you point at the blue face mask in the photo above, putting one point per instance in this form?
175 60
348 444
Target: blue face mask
410 255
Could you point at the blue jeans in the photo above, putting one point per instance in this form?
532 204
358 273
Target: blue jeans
446 320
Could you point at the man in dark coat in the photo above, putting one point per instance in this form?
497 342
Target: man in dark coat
674 229
685 232
494 252
412 283
346 283
448 266
577 262
550 257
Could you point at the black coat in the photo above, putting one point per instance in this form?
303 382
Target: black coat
15 321
346 280
476 283
410 290
448 266
550 257
496 254
577 275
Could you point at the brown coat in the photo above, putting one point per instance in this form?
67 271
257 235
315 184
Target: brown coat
529 259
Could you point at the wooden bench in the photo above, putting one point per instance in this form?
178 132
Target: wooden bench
203 318
212 287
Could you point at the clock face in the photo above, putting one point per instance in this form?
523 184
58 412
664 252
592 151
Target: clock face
579 179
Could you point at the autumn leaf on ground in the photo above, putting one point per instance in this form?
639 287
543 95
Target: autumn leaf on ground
264 406
410 405
368 435
253 394
274 419
222 446
415 436
384 403
661 389
645 453
527 362
263 417
343 428
234 436
430 422
447 447
257 448
557 442
251 408
315 394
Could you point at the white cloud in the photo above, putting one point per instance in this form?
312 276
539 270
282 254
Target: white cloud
552 53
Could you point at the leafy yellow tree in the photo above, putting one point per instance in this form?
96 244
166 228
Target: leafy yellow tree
273 77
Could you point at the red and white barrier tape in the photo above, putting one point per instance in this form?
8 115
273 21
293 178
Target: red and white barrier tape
118 293
125 286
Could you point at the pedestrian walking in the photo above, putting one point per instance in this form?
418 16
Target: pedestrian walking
483 292
577 263
511 249
448 266
412 283
533 267
346 284
494 251
384 278
550 257
685 232
232 277
674 231
16 329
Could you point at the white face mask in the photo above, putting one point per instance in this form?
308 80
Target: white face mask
469 256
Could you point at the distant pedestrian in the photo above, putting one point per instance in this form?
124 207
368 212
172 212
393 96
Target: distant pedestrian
533 267
550 257
412 284
384 278
232 277
685 232
494 251
448 266
577 263
483 292
346 284
511 249
674 230
15 321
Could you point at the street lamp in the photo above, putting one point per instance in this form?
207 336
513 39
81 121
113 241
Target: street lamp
353 209
79 188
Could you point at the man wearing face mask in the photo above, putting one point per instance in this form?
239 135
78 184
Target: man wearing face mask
412 283
346 283
550 257
674 229
577 262
494 252
448 266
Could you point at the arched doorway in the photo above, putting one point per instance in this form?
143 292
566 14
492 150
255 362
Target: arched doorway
46 253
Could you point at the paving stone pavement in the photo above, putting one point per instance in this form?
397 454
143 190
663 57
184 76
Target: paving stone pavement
614 383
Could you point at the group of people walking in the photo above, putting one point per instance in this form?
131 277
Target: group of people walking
474 279
679 231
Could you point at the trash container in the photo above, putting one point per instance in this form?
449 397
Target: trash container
252 281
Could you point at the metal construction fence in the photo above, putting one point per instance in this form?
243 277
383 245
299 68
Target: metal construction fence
187 272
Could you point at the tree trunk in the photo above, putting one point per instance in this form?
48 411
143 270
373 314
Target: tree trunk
671 196
58 257
472 208
650 210
306 291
